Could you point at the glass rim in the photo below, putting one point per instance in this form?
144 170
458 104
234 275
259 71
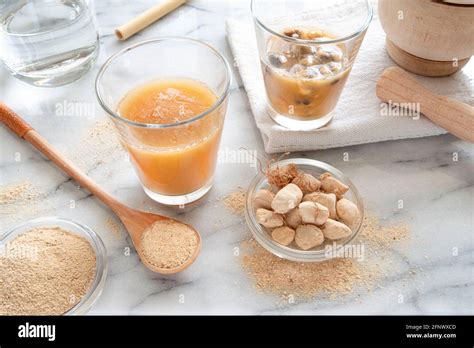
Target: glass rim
7 33
211 109
356 33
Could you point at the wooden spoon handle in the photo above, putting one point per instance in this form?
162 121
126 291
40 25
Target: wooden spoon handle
396 85
16 124
21 128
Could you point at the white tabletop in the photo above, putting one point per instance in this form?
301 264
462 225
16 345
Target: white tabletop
436 192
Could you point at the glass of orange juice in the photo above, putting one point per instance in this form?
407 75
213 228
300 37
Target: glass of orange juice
168 99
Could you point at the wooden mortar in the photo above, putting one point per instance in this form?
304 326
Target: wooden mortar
428 37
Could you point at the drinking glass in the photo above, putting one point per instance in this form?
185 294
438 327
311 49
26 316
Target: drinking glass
175 162
307 49
48 43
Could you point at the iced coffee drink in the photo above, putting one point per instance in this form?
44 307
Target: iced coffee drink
304 81
307 49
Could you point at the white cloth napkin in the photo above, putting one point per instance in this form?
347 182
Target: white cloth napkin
358 117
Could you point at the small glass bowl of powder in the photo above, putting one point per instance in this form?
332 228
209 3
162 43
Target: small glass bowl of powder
51 266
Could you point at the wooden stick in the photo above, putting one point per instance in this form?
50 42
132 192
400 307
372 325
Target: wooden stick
396 85
21 128
146 18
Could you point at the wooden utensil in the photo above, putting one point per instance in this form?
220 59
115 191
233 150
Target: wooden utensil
421 66
396 85
135 221
146 18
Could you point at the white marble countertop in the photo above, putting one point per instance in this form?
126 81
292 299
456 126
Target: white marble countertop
436 190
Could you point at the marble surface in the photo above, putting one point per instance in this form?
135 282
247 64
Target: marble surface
436 189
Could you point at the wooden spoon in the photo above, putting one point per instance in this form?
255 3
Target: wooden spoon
396 85
135 221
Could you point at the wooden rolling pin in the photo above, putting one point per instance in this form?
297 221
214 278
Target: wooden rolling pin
397 86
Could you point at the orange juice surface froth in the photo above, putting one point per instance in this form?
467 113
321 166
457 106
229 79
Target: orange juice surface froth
179 159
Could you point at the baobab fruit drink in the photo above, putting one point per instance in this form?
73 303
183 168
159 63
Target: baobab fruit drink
175 142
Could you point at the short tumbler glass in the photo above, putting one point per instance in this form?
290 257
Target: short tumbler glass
174 161
48 43
307 49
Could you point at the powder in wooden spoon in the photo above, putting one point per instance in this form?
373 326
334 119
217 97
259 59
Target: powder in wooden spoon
45 271
168 244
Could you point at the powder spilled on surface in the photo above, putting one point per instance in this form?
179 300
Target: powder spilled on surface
335 277
101 145
281 277
20 201
22 191
373 231
235 201
169 244
45 271
113 227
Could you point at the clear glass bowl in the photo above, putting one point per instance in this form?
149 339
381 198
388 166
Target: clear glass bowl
318 253
94 239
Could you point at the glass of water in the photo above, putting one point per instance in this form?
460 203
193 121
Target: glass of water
48 43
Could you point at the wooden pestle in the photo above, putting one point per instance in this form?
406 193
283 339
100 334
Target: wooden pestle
398 86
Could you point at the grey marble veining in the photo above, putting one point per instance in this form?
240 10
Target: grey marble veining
433 271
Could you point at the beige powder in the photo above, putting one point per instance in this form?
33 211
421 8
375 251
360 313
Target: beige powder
169 244
101 145
20 201
334 277
284 278
235 201
113 227
45 271
18 192
373 231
